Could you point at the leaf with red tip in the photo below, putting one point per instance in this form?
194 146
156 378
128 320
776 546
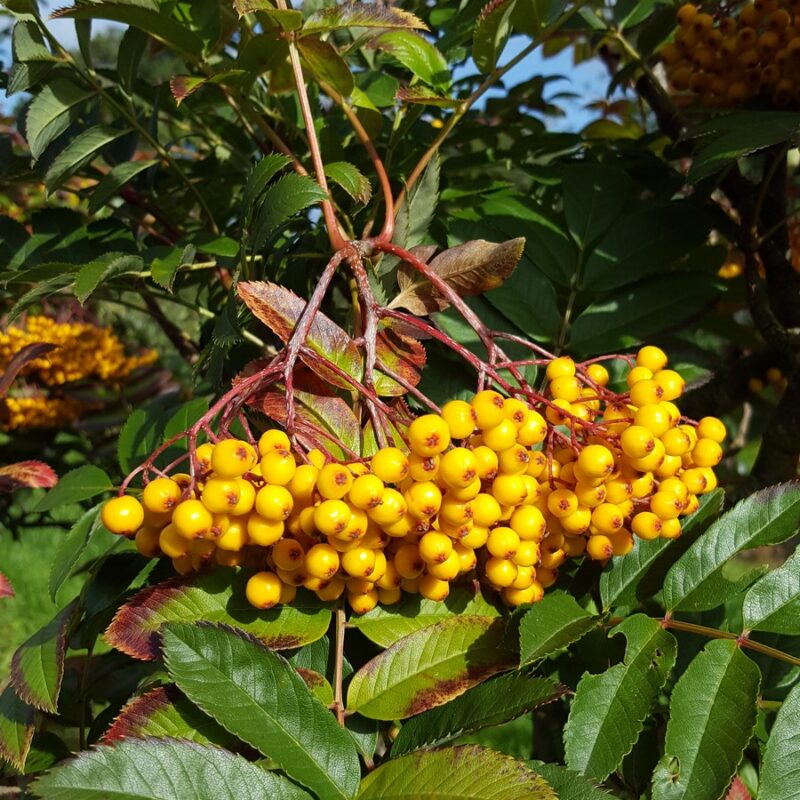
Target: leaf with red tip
216 596
279 309
22 357
361 15
182 86
16 728
471 268
6 589
315 415
37 667
165 712
424 96
30 474
402 354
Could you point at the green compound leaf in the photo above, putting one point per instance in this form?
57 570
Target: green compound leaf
217 596
429 667
51 112
767 517
37 667
79 152
165 713
115 180
360 15
351 179
491 33
455 773
16 728
568 784
712 716
773 602
609 709
640 574
258 696
416 54
326 64
78 484
385 625
109 265
72 547
551 625
491 703
780 766
162 769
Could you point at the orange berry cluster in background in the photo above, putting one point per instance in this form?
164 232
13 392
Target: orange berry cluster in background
726 57
492 488
38 411
82 351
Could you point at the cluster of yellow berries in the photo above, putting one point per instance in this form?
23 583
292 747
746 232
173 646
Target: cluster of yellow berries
82 351
773 378
37 411
491 487
725 60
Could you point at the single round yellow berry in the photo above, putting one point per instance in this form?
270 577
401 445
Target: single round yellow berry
599 548
460 418
428 435
161 495
334 481
390 464
192 519
654 358
231 458
122 515
278 467
220 495
273 440
500 571
489 408
458 467
711 428
322 561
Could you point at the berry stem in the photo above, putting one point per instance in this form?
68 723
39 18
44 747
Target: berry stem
338 663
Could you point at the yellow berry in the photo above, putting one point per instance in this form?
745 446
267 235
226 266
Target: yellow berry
637 441
122 515
645 393
509 490
433 588
528 523
331 517
235 536
332 590
654 358
434 547
220 495
231 458
596 461
565 387
560 367
487 462
423 468
711 428
192 519
161 495
577 522
408 562
599 547
359 562
322 561
446 570
460 418
646 525
362 603
172 543
274 503
489 408
598 373
533 430
366 491
391 509
334 481
203 455
428 435
706 453
303 484
671 383
501 436
485 510
288 555
514 461
458 467
500 571
676 442
273 440
390 464
607 518
503 542
562 502
146 541
638 374
666 505
424 499
278 467
466 558
262 532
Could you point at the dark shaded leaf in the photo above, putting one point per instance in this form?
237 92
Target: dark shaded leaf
111 183
51 112
16 728
80 152
780 767
491 33
326 64
551 625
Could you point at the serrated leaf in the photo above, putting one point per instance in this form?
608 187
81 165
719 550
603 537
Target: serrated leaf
594 197
282 200
425 96
110 265
315 413
217 596
279 309
639 575
551 625
162 769
259 697
385 625
141 434
467 773
773 602
39 292
780 765
78 484
770 516
429 667
712 716
326 64
115 180
404 355
568 785
261 174
415 216
30 474
351 179
79 152
160 26
164 270
360 15
493 702
182 86
609 709
28 44
51 112
71 548
37 667
471 268
16 728
287 19
6 589
531 16
165 713
416 54
492 30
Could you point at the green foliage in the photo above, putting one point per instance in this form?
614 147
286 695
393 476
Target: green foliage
551 625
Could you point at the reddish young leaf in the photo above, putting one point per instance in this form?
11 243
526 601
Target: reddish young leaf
182 86
31 474
738 791
22 357
471 268
361 15
6 589
424 96
279 309
315 412
403 354
216 596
